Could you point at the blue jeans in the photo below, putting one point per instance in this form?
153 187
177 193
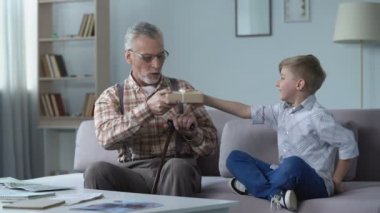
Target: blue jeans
261 181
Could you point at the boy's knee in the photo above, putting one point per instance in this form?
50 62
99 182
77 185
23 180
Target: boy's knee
233 157
293 160
293 164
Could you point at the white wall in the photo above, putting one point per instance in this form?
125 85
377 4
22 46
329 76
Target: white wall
200 36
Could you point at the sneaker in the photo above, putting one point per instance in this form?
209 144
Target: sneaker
237 187
287 200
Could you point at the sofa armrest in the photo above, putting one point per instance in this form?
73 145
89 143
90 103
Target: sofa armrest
258 140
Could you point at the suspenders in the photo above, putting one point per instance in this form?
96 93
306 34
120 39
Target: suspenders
178 138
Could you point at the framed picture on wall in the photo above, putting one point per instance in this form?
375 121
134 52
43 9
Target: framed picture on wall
296 10
253 18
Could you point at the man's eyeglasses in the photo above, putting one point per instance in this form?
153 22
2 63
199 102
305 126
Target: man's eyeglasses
149 57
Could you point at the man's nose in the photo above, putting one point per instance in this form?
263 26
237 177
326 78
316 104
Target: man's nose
155 62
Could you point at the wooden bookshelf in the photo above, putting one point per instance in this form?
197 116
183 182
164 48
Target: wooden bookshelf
86 70
86 58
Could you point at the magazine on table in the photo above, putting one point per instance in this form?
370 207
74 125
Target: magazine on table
9 194
120 206
13 183
34 204
77 197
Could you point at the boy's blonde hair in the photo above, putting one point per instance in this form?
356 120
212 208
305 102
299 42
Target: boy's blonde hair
308 68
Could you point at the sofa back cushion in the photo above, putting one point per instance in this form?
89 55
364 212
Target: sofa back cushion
367 122
209 164
88 150
352 172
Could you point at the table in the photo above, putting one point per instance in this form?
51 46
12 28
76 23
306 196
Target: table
171 204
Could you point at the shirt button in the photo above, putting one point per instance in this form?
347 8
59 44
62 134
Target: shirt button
287 132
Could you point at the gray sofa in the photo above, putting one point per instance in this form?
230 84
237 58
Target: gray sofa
363 181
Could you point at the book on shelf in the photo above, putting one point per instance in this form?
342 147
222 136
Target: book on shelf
83 25
87 26
45 102
61 65
43 106
47 107
45 70
61 107
46 66
53 66
88 105
52 104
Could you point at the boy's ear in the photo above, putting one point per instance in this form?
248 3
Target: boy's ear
300 84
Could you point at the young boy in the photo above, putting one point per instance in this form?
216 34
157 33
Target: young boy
307 135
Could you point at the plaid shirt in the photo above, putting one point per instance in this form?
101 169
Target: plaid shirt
142 132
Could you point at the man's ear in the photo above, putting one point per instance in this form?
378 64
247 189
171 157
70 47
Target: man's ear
127 56
301 84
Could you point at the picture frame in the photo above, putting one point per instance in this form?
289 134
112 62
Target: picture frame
296 10
253 18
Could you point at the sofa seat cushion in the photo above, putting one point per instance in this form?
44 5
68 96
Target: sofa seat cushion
217 188
359 197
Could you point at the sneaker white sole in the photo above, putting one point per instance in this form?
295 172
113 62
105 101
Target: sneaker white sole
290 200
231 184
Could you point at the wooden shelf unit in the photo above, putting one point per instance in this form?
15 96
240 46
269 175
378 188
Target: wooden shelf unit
88 71
86 58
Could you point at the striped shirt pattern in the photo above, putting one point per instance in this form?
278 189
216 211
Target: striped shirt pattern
141 133
310 132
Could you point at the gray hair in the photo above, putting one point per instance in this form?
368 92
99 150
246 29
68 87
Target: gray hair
141 28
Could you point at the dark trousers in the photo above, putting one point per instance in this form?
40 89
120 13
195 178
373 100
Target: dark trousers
179 176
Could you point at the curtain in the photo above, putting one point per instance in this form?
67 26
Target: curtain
16 131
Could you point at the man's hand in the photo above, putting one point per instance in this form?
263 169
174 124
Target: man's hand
158 103
186 125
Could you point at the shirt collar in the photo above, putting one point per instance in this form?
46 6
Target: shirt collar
306 104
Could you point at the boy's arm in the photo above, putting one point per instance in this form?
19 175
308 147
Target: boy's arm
235 108
340 171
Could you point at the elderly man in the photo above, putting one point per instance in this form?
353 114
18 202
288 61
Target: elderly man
133 118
